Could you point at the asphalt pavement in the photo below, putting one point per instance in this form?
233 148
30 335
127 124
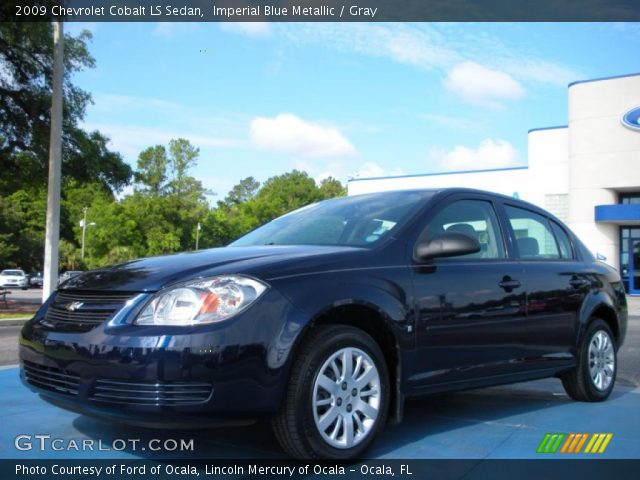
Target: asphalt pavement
33 296
9 344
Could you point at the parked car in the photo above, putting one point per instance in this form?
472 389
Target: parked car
327 318
36 280
14 278
67 275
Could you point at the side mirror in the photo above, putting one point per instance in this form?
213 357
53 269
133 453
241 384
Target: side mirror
448 244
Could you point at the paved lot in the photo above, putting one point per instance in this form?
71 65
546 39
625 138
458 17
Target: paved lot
500 422
504 422
9 345
32 296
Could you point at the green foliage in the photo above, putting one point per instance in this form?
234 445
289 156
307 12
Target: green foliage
248 206
330 188
26 63
152 169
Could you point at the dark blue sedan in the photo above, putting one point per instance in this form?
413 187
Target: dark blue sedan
327 318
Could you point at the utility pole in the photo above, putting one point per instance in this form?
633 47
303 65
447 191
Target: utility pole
197 235
52 234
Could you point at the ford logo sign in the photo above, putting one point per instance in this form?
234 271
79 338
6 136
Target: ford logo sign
631 119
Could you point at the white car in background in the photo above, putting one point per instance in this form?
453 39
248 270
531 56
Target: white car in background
14 278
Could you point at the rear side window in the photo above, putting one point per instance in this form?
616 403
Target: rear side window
475 218
534 237
566 252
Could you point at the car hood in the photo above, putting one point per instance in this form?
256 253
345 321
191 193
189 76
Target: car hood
155 273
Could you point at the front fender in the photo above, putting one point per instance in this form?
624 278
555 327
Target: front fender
389 297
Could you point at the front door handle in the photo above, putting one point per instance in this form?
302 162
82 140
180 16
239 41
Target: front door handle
509 284
578 282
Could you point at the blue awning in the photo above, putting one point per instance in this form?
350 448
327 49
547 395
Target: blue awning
618 214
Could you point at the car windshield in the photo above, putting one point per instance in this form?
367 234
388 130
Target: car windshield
359 221
15 273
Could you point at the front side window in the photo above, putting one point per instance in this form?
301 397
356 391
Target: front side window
534 237
475 218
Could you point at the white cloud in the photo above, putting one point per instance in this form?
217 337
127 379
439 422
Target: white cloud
371 169
250 29
130 140
480 85
410 45
489 154
288 133
430 47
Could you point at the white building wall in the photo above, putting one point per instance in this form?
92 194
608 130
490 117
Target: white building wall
548 155
604 157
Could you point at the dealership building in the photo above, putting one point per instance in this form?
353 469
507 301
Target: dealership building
587 172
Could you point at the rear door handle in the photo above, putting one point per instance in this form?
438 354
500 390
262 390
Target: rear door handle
509 284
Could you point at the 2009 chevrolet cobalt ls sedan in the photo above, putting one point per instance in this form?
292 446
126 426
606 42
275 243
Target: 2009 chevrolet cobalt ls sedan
327 318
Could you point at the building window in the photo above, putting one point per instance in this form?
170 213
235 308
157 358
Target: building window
558 205
630 198
630 258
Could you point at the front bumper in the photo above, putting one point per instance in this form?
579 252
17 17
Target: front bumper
166 376
14 284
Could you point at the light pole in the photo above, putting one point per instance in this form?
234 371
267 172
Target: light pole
197 235
83 224
52 232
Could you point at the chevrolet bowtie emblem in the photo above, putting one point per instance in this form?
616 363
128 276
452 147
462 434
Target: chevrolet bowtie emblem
73 306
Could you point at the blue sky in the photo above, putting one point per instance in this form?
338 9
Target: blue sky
342 99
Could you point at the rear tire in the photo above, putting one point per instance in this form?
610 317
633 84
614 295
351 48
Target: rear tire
337 398
593 378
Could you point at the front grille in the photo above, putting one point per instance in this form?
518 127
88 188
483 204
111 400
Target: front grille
50 378
82 311
160 394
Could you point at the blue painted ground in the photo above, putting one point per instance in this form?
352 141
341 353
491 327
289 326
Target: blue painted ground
501 422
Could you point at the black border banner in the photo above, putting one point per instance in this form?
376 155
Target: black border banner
321 470
321 10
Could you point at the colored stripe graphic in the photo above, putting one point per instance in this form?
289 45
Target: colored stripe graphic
598 443
573 443
551 442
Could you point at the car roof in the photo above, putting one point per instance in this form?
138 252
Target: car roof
445 192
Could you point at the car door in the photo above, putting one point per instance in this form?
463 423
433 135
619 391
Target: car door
470 315
556 285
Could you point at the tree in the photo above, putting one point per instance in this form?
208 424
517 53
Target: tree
183 157
242 192
26 63
330 188
283 193
247 206
152 169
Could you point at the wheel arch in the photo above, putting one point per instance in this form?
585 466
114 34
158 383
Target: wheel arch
600 306
372 320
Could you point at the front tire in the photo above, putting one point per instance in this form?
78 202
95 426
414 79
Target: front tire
338 395
593 378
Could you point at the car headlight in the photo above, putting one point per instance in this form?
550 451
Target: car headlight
202 301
